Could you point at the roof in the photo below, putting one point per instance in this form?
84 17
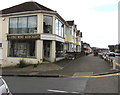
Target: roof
78 32
71 23
86 43
24 7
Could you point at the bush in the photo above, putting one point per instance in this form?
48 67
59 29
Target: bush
22 63
35 65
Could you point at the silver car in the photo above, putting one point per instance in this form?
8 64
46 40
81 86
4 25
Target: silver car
4 90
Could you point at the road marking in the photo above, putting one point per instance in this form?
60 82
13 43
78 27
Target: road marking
60 91
82 74
76 92
97 76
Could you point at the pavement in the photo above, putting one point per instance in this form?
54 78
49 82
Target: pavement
81 66
116 58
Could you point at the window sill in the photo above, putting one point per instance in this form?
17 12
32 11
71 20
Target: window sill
21 57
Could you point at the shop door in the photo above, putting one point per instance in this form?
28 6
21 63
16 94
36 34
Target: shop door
46 49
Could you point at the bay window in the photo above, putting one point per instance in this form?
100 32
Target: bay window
21 25
47 24
59 28
32 24
13 25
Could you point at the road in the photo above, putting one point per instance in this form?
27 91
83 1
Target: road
46 85
83 66
84 86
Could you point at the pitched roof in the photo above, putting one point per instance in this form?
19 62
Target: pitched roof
71 23
24 7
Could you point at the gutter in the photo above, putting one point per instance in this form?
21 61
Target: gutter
28 12
32 12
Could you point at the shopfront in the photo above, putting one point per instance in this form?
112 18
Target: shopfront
22 45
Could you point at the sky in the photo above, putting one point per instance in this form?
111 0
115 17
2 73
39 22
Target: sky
96 19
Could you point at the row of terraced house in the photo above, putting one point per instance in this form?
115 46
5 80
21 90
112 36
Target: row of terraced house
35 33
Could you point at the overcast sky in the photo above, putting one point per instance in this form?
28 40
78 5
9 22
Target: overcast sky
96 19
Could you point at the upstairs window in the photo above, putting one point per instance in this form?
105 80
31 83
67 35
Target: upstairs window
47 24
21 25
13 26
32 24
59 28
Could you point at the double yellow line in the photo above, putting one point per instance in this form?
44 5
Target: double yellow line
93 76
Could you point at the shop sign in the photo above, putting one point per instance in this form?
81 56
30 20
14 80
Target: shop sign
59 39
37 36
47 37
51 37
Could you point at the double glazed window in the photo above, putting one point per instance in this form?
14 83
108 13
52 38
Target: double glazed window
21 25
59 28
47 24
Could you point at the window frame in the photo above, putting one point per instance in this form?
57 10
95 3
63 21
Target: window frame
12 43
60 28
51 23
27 32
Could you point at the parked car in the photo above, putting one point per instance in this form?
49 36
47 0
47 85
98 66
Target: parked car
4 90
117 54
111 54
102 53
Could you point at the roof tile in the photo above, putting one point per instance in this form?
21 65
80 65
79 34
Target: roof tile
27 6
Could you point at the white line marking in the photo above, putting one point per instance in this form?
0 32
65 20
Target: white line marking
58 91
75 92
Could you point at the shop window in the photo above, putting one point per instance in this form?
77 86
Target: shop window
21 48
47 24
59 49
